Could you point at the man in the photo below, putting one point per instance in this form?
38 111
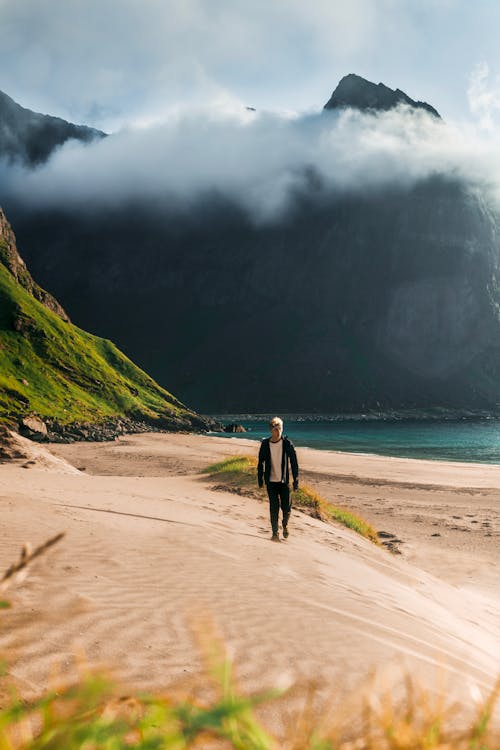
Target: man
276 455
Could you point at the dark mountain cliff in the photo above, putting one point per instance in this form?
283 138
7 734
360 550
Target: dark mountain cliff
386 299
77 382
13 262
31 137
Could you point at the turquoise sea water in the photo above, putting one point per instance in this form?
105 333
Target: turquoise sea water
460 440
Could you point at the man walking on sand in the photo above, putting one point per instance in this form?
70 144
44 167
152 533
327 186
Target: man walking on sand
276 455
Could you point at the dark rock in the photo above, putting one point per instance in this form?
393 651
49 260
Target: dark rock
30 137
34 428
114 427
354 91
234 428
22 323
17 396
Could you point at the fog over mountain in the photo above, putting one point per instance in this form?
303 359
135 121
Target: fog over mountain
334 261
259 160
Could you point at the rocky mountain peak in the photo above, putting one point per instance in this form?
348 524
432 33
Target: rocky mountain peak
31 137
355 91
10 258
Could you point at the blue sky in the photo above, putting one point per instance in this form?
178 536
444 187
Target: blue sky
114 62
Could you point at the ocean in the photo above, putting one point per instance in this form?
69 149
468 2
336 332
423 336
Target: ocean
447 440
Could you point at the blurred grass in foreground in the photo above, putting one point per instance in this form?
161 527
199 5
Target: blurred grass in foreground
209 712
241 472
93 715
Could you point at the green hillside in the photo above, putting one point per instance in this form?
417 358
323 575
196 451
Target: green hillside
50 367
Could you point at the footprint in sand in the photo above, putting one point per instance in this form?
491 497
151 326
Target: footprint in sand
393 549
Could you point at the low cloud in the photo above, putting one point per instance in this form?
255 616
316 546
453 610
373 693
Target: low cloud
259 160
107 62
483 94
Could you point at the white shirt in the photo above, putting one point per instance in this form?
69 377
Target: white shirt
276 459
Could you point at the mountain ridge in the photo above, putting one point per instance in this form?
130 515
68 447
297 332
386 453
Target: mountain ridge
359 93
31 137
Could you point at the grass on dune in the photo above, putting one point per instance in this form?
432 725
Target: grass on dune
308 498
241 472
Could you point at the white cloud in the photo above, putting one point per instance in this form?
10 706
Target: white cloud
483 94
256 159
108 62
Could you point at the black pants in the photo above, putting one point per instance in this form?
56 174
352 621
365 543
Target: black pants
278 493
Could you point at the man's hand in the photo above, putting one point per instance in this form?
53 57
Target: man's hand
296 484
261 484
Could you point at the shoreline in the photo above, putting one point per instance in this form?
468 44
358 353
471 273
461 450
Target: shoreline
461 442
362 454
378 461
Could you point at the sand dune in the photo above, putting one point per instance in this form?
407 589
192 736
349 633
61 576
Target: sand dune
150 546
15 449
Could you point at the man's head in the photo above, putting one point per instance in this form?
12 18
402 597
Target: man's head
276 427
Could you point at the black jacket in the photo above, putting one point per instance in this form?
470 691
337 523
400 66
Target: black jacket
289 459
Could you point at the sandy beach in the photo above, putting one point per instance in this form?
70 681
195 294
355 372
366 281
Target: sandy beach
152 547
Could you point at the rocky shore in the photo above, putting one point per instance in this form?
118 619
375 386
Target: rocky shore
52 431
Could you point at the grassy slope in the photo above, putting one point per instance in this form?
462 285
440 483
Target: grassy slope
57 370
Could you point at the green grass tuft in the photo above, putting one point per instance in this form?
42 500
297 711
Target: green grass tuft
241 471
242 467
308 498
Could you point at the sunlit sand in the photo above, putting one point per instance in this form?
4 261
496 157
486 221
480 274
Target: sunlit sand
152 547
